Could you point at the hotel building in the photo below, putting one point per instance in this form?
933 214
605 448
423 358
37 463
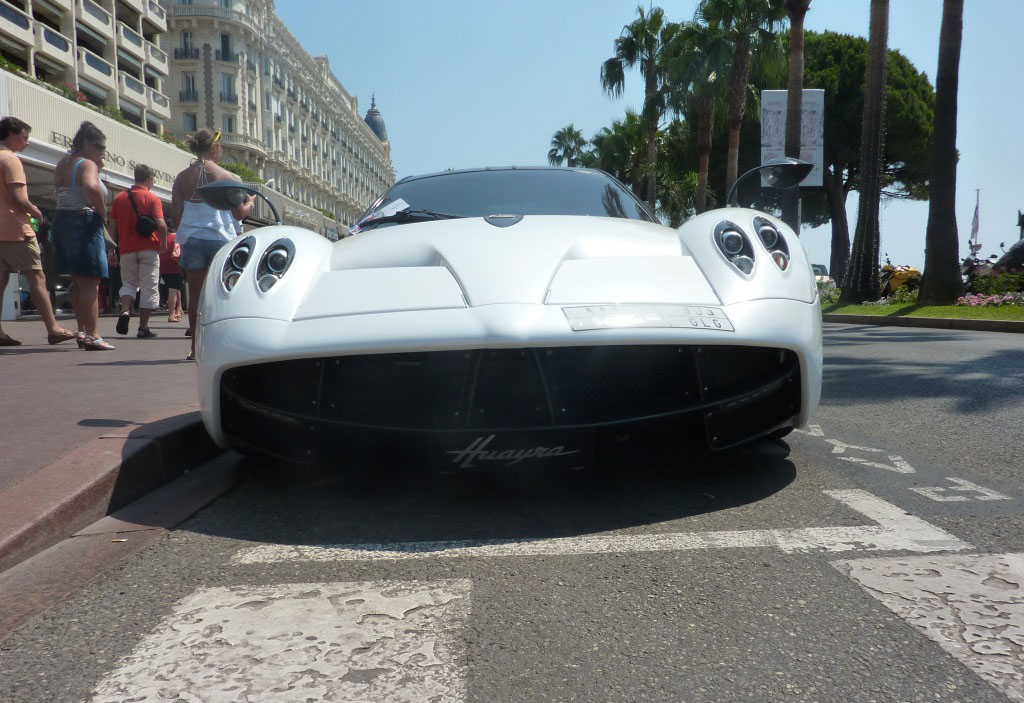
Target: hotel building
236 68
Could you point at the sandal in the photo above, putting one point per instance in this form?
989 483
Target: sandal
62 336
80 339
191 356
96 344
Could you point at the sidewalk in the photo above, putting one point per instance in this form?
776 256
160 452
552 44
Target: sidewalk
87 432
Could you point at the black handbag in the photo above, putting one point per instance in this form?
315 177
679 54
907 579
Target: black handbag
144 224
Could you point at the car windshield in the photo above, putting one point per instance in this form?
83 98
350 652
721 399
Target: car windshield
819 270
505 192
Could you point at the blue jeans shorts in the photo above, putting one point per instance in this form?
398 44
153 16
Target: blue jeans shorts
197 254
78 243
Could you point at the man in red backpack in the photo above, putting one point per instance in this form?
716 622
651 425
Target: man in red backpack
137 225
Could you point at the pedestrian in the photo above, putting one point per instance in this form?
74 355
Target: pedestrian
202 230
170 271
78 229
19 248
137 225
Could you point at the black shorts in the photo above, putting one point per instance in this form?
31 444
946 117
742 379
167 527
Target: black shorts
174 280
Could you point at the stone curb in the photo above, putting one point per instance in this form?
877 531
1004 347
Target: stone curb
935 322
97 479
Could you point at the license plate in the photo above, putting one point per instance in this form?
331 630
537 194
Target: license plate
603 317
516 450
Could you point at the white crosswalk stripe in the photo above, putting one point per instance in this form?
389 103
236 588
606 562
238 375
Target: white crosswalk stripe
895 531
972 605
381 641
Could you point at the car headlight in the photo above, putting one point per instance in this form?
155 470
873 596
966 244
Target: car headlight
773 241
235 263
274 263
735 246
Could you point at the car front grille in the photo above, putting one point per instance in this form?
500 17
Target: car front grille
518 389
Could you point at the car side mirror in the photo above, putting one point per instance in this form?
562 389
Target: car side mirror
782 172
229 194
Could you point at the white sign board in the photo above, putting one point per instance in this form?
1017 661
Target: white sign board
812 130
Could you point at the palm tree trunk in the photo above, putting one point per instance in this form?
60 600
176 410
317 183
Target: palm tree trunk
941 284
739 75
794 108
705 124
651 87
861 279
836 193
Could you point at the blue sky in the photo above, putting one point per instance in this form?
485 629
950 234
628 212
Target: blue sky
465 83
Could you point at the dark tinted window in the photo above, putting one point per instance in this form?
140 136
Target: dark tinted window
517 192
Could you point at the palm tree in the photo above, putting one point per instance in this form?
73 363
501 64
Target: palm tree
797 10
861 279
642 43
698 63
941 284
567 146
620 150
750 26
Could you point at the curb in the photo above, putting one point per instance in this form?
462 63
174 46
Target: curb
97 479
934 322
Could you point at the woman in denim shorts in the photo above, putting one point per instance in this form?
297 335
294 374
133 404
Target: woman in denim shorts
78 229
202 230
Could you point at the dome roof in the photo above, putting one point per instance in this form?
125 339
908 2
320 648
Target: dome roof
375 121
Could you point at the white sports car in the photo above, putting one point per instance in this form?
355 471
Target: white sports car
501 317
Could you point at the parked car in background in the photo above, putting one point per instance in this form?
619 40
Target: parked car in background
821 276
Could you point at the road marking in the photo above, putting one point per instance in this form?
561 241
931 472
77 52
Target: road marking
895 531
371 641
899 464
971 605
811 430
939 494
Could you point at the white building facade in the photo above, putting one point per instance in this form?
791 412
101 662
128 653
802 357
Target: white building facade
106 52
236 68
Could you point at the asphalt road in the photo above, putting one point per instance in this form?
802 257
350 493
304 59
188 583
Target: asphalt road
875 556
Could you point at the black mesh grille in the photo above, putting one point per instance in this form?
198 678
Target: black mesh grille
518 388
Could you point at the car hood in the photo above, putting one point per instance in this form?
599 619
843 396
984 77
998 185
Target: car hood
552 259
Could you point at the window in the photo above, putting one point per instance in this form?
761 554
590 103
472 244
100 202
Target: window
269 103
229 124
190 122
227 84
188 82
225 41
186 38
225 3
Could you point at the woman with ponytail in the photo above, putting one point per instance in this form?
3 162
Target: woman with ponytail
202 230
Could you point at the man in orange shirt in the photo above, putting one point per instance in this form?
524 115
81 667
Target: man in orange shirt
140 254
19 250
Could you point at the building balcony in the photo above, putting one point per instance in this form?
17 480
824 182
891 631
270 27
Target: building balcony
95 69
157 59
158 105
156 16
229 98
65 6
15 24
188 96
130 88
53 46
222 13
94 17
137 5
244 142
226 56
131 42
186 53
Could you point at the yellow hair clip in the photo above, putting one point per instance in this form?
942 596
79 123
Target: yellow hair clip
216 137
